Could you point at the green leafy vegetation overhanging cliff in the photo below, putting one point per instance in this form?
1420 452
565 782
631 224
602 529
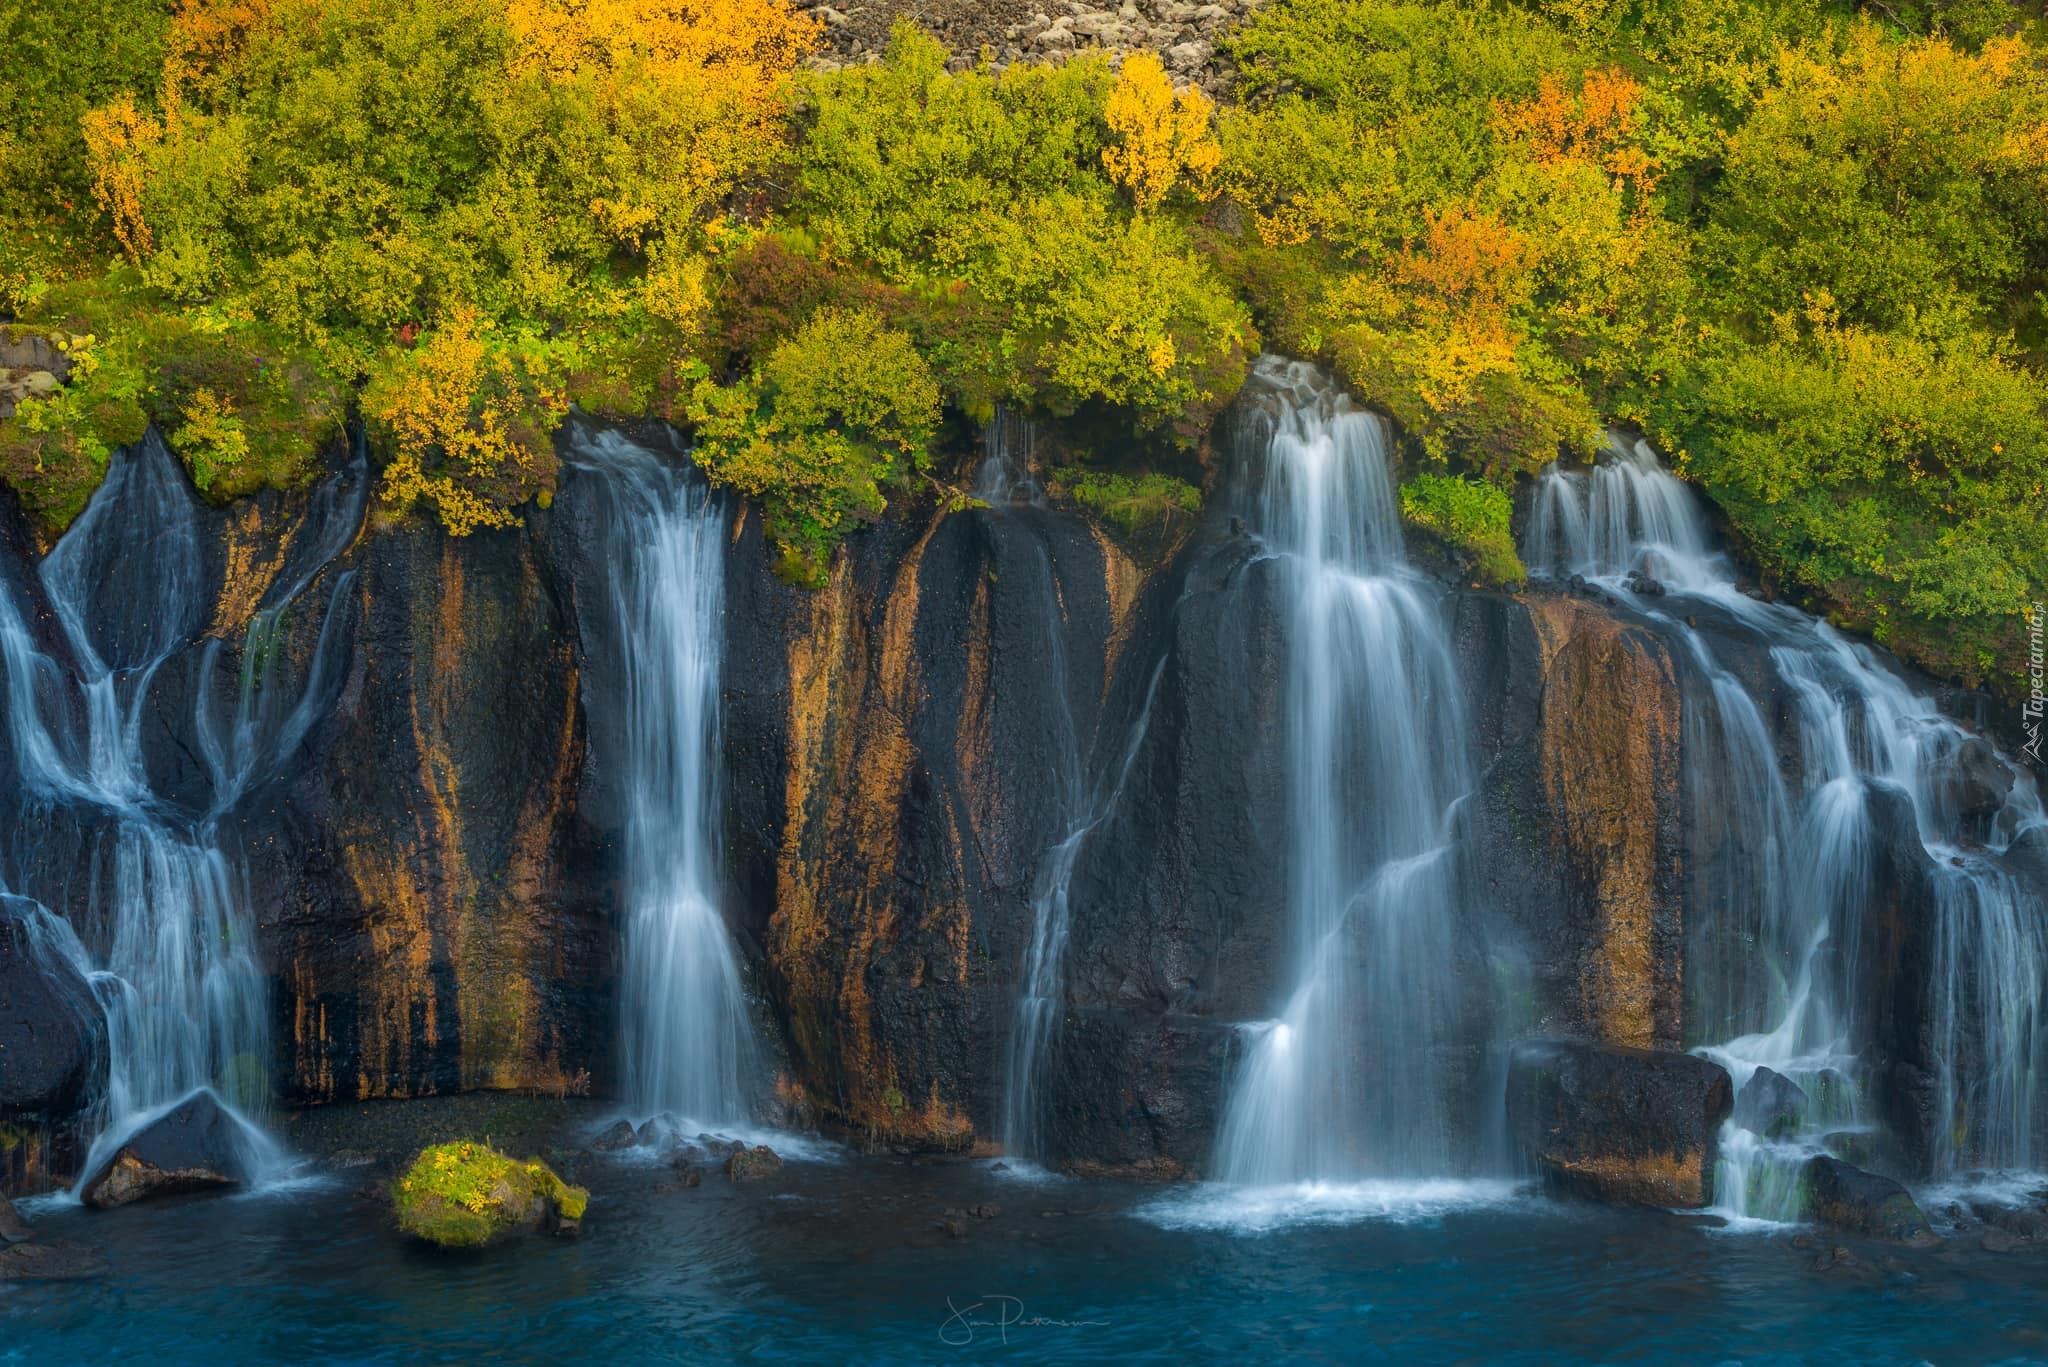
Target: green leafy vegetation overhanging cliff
1803 245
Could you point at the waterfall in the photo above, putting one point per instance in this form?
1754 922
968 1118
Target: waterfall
689 1044
1004 475
1346 1083
167 940
1791 879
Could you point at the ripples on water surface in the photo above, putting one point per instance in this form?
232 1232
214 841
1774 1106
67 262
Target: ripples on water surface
844 1264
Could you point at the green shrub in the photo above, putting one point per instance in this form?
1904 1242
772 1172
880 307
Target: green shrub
904 166
823 427
1471 515
1150 502
1899 479
61 61
984 200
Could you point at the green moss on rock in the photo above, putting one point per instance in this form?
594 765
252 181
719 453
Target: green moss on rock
468 1195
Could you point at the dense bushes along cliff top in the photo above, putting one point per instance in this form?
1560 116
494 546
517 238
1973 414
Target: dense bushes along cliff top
1805 248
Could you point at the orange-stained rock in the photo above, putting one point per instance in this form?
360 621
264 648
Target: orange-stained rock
1610 745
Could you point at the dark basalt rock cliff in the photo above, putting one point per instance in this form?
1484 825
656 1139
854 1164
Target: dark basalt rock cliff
437 914
431 842
894 750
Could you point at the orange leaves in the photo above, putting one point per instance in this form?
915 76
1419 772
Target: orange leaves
1160 135
1461 288
118 141
744 40
1471 263
1448 305
1598 124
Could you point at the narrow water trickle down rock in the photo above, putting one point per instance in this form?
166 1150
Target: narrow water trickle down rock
688 1042
166 936
1346 1084
1781 995
1039 1002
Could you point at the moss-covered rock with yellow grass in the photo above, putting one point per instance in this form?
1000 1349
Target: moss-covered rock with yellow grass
468 1195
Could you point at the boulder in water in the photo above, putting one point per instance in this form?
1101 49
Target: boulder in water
54 1262
467 1195
2020 1223
1852 1146
1770 1104
1845 1197
1645 586
615 1136
753 1165
1619 1125
2005 1241
196 1146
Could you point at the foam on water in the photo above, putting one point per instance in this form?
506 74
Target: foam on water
1265 1209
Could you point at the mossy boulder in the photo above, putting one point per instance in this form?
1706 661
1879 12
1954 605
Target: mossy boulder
468 1195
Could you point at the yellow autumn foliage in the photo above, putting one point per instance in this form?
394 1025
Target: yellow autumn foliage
468 415
1453 299
1161 136
690 92
118 140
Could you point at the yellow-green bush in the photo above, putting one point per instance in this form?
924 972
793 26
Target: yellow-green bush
59 62
468 413
1802 242
246 408
991 201
825 425
1150 502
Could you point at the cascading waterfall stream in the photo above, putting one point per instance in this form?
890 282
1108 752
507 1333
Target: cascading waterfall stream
168 943
689 1044
1792 897
1004 475
1036 1026
1345 1084
1038 1004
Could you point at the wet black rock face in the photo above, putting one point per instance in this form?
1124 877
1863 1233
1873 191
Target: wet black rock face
53 1057
437 915
434 855
1770 1104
